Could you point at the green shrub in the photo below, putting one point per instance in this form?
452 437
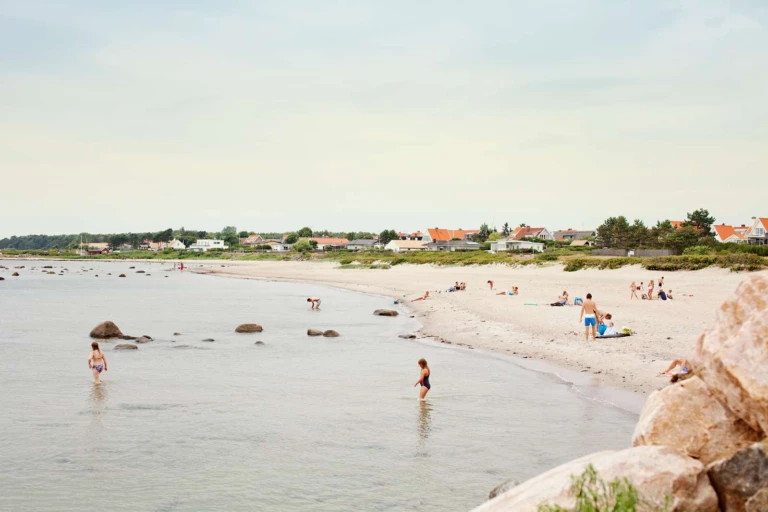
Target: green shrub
593 494
697 250
546 256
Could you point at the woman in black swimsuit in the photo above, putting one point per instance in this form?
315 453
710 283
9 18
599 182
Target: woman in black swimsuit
423 379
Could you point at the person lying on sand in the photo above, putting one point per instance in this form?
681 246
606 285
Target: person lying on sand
512 291
562 300
677 367
424 297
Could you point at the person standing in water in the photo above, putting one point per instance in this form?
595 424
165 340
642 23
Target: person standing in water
97 362
589 314
315 302
423 379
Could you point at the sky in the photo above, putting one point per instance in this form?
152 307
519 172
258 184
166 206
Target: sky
367 115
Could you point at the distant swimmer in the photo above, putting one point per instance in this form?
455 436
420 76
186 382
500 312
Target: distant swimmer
423 379
423 297
315 302
589 314
97 362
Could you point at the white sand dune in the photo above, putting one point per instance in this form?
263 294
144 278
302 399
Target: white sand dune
479 318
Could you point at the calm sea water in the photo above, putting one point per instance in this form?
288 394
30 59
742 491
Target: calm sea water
296 424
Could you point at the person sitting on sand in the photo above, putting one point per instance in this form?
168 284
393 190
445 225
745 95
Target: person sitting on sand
423 297
589 314
607 326
490 284
562 300
315 302
463 286
677 367
633 291
423 379
669 295
97 362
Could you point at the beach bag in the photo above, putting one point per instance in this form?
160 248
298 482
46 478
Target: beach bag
645 296
578 301
601 329
627 331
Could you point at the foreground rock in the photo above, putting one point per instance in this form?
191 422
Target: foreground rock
330 333
314 332
249 328
126 346
385 312
687 417
106 330
655 471
739 478
732 356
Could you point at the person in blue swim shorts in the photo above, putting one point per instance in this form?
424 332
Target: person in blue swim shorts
589 315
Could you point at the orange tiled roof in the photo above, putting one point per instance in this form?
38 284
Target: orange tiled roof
330 241
444 235
677 224
527 231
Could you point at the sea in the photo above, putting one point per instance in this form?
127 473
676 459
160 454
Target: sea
294 423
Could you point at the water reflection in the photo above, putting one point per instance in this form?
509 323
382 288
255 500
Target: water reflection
98 399
424 421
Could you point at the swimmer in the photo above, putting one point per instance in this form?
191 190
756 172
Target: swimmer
97 362
315 302
423 379
589 314
424 297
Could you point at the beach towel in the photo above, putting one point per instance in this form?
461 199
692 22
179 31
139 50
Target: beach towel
616 335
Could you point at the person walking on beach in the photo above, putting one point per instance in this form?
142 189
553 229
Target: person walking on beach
589 314
423 379
650 290
315 302
633 291
97 362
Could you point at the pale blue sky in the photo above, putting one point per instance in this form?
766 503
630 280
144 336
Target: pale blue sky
141 115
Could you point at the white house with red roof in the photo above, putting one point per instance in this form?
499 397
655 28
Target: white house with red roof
757 233
727 234
446 235
529 232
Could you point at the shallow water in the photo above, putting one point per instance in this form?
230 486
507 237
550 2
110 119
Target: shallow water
296 424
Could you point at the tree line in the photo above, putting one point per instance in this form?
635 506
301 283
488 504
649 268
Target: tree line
696 230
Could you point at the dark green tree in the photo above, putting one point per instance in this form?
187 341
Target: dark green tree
292 238
702 221
387 236
304 232
485 231
505 229
243 234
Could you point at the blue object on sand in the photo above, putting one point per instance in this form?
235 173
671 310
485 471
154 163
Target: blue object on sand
577 301
601 329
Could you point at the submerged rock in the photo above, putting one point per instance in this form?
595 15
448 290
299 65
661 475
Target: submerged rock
177 334
314 332
121 275
657 472
106 330
385 312
140 272
330 333
259 343
741 477
143 339
15 274
209 339
407 336
732 356
686 417
249 328
126 346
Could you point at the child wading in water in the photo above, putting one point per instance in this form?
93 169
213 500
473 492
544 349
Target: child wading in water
97 362
423 379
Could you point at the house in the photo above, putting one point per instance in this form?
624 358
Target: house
406 245
329 244
453 246
411 236
159 246
511 244
728 234
97 247
582 243
757 233
363 245
528 232
252 240
569 235
205 245
276 245
444 235
677 224
94 252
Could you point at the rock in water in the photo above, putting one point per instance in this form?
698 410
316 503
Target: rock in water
121 275
2 279
686 417
501 489
126 346
259 343
177 334
407 336
385 312
15 274
739 478
314 332
249 328
106 330
140 272
656 472
330 333
143 339
732 356
208 339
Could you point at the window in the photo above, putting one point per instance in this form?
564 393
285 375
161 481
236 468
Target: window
760 231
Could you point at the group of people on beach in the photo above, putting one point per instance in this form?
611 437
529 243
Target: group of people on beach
661 294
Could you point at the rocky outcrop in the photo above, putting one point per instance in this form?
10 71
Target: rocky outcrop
687 417
249 328
740 477
314 332
106 330
330 333
385 312
759 501
126 346
732 356
656 471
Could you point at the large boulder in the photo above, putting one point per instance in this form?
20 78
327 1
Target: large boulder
686 417
249 328
732 356
330 333
314 332
126 346
741 477
106 330
385 312
657 472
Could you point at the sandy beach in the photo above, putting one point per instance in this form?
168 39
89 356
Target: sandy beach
512 325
